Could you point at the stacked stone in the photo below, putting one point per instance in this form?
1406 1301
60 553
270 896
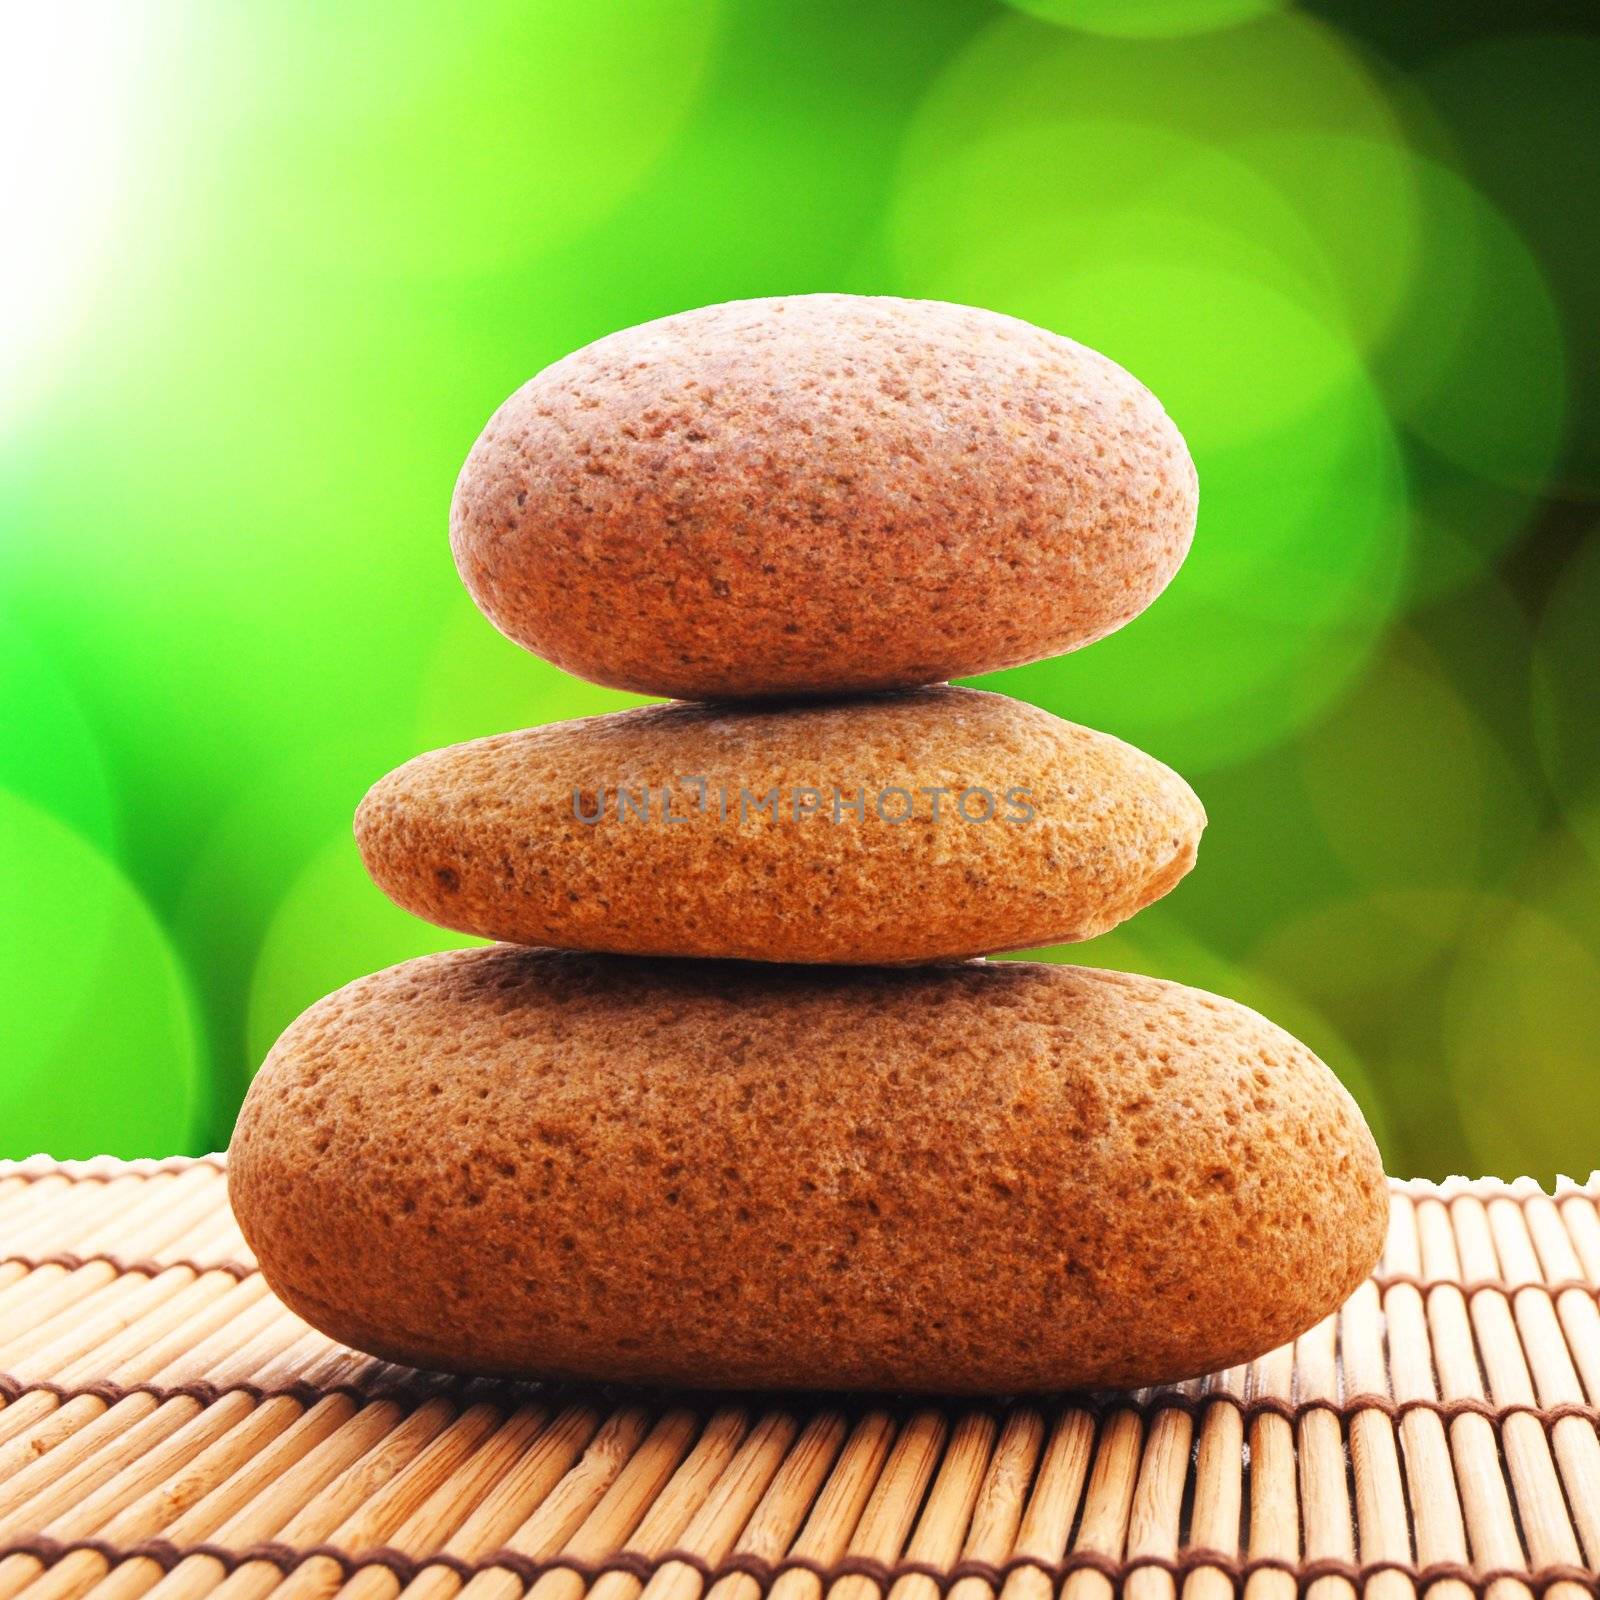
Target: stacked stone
731 1104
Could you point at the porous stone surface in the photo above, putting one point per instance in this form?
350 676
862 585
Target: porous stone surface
819 494
921 826
991 1177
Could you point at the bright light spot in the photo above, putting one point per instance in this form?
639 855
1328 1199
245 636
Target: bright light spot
67 73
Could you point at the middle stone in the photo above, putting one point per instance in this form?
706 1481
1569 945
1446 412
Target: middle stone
930 825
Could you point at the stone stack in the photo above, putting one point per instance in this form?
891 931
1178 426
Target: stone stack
732 1104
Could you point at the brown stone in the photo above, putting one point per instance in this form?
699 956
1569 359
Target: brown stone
991 1177
1044 832
821 494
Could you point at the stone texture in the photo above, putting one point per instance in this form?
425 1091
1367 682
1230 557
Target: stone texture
993 1177
821 494
487 838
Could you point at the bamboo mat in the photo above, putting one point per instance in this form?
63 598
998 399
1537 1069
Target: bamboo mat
168 1429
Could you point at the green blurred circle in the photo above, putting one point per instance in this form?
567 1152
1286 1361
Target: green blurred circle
1262 856
1520 1037
1402 967
1017 131
1328 176
49 751
1231 358
1363 954
1291 71
1476 364
1566 692
776 191
1379 963
1462 525
332 926
100 1044
405 138
1520 110
1147 19
1411 789
1078 194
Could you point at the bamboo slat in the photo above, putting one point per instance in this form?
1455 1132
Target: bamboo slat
170 1431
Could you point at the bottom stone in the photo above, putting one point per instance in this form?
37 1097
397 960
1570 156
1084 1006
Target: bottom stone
995 1177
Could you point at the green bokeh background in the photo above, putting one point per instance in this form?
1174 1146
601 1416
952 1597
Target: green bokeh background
272 265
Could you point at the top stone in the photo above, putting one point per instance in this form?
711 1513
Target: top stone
819 495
